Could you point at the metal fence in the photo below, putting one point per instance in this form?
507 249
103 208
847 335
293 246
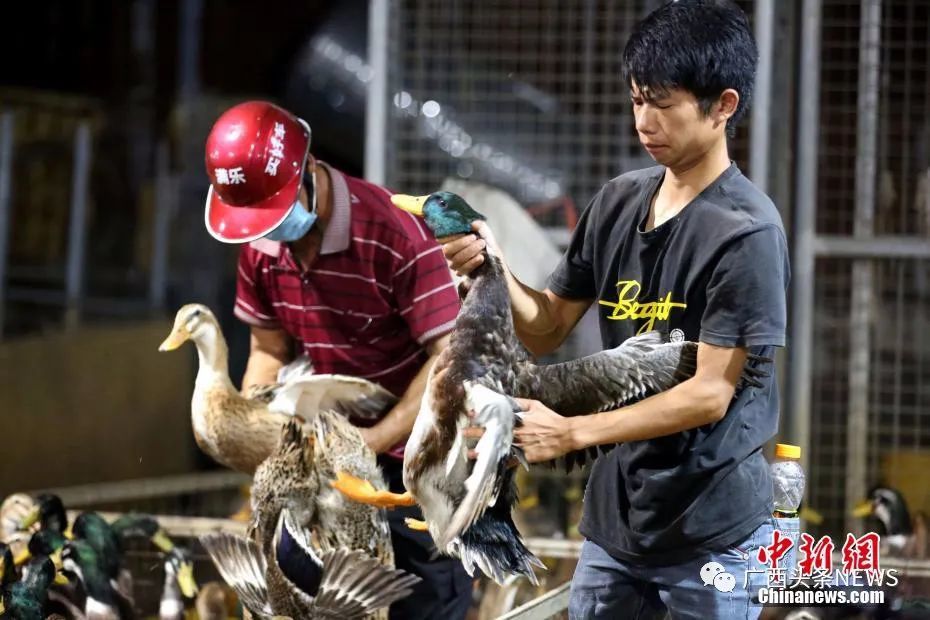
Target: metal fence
868 349
523 95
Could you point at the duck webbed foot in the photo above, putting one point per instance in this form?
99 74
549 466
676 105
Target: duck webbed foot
243 515
417 524
364 492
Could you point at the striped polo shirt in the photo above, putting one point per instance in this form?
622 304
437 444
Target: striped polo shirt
377 294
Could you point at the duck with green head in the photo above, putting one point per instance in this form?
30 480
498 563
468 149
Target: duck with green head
136 525
64 597
42 543
179 586
48 511
889 507
27 598
92 529
103 602
467 503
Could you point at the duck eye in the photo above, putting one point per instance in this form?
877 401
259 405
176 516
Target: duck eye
442 202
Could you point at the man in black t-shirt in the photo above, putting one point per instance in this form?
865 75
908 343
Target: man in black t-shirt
693 248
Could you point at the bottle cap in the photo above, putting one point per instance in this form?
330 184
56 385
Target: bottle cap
787 451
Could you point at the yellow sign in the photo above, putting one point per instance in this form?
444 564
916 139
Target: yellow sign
627 306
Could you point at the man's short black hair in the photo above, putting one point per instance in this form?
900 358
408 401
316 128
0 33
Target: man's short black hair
701 46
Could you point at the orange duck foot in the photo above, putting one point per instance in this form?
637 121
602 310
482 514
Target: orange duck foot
364 492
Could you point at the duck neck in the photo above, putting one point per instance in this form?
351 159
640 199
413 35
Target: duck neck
488 289
895 518
171 604
214 358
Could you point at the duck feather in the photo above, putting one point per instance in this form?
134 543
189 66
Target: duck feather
243 567
349 396
496 414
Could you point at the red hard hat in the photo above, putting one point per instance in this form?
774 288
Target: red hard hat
256 154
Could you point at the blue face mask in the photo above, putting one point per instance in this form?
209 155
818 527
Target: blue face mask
299 220
297 223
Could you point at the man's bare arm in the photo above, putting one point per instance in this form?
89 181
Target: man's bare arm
397 424
270 350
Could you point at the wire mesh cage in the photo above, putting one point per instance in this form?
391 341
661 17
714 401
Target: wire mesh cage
870 319
528 96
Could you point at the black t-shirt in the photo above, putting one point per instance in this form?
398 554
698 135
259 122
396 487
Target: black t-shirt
717 273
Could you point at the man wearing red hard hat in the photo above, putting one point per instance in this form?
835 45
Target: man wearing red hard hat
331 269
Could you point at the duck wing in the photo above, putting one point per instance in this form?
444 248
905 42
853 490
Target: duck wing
266 392
350 396
606 380
303 365
356 584
296 556
641 365
242 566
496 414
350 583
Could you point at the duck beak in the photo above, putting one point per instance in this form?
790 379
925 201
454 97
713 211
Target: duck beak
161 540
60 578
69 532
811 516
186 580
863 509
22 557
410 204
178 336
30 519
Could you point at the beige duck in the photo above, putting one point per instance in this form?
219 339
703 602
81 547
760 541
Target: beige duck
299 476
241 432
305 534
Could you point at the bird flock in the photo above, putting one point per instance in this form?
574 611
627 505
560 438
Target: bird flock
53 568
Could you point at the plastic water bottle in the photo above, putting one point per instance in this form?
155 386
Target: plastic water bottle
787 480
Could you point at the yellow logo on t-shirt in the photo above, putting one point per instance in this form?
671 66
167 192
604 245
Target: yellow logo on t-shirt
627 306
